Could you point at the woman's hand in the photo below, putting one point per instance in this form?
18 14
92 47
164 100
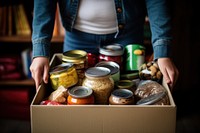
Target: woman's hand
169 71
39 70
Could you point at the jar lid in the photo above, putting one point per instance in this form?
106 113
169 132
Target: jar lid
60 68
114 67
112 50
130 76
124 84
97 72
151 99
74 55
122 93
80 92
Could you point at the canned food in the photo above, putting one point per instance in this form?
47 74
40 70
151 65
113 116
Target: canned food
112 52
100 81
79 59
114 69
134 57
121 97
126 84
80 95
63 75
155 99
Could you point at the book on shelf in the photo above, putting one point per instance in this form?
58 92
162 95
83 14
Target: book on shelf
17 96
26 57
10 68
14 20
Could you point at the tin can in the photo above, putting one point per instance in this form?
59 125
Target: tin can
155 99
121 97
63 75
134 57
100 81
80 95
79 59
114 69
113 52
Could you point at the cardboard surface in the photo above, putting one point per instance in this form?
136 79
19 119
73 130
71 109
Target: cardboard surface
100 118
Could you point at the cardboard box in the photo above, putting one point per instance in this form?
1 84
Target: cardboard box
100 118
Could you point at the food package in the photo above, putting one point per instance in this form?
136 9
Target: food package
60 95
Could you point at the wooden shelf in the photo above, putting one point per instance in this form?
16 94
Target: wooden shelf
26 82
27 39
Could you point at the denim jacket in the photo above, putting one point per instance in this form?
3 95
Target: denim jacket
130 16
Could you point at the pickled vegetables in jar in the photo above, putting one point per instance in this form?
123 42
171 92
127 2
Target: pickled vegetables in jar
63 75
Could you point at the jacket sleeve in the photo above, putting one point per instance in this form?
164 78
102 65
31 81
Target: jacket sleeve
43 25
160 23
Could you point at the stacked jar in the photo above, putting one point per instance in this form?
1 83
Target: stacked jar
113 52
79 59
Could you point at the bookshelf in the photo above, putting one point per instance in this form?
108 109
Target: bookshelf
12 42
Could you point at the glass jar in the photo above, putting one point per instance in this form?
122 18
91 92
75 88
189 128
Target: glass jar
114 69
113 52
101 82
80 95
63 75
79 59
126 84
121 97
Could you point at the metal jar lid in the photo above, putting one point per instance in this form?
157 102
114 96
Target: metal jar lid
114 67
112 50
74 55
60 68
124 84
122 93
152 98
80 92
97 72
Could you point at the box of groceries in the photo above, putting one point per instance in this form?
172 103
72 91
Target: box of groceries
89 96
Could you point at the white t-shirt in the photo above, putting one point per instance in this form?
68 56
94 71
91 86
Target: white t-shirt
97 17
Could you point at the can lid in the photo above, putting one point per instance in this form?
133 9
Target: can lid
60 68
74 55
97 72
114 67
112 50
80 92
122 93
124 84
152 98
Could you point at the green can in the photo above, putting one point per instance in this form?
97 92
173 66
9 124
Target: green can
134 57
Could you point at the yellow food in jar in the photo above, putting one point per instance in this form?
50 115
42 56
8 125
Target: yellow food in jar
66 77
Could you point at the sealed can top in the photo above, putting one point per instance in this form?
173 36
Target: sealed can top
74 55
80 92
97 72
60 68
114 67
112 50
124 84
152 98
122 93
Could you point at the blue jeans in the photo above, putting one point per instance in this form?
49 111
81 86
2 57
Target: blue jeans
92 42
